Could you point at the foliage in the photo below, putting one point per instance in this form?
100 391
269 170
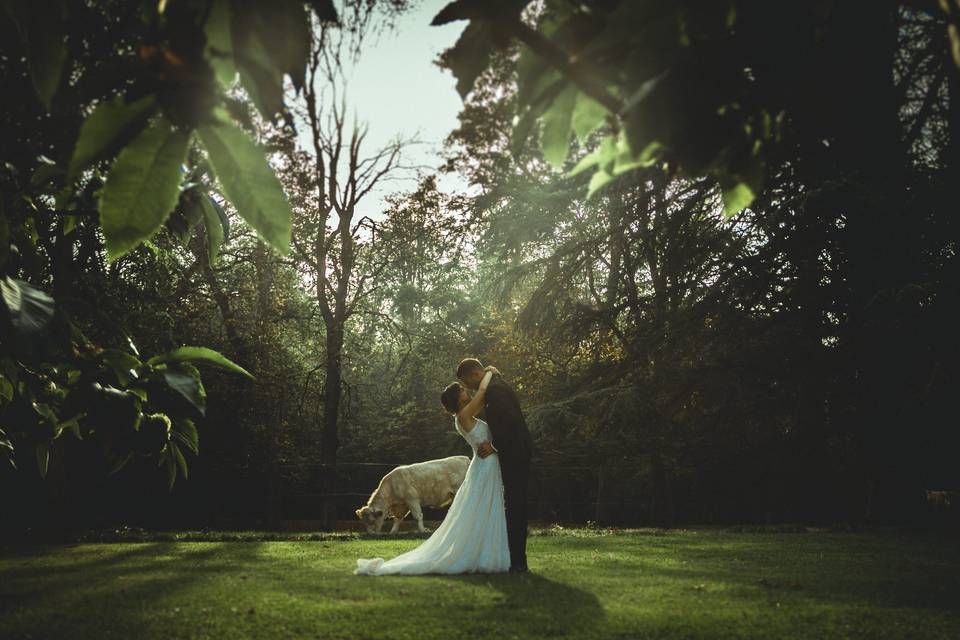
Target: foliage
678 337
122 89
703 88
55 378
792 360
639 68
171 91
62 383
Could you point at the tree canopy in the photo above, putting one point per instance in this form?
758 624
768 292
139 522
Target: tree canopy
711 244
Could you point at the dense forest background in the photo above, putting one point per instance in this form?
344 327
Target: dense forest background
715 252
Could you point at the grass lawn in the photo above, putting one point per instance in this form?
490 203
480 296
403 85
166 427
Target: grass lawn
640 584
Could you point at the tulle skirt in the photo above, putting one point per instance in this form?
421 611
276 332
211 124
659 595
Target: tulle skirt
471 539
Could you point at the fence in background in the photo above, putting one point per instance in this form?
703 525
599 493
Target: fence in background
556 494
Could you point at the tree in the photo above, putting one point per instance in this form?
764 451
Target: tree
804 116
331 180
148 91
52 186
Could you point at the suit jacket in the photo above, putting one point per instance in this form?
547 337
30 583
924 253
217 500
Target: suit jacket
510 434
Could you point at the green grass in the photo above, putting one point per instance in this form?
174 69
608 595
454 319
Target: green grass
642 584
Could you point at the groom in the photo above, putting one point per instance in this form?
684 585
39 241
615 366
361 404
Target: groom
514 446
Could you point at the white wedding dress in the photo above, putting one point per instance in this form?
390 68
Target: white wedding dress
473 536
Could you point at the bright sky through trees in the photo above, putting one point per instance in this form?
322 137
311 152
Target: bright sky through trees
397 90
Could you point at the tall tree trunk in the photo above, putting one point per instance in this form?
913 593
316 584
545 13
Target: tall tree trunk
329 441
266 277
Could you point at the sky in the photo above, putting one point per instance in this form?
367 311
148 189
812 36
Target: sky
396 88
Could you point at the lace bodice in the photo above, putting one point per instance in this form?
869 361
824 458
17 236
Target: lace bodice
476 436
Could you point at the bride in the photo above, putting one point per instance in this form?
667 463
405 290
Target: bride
473 536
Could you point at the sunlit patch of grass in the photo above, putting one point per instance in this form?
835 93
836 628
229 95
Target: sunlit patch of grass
585 584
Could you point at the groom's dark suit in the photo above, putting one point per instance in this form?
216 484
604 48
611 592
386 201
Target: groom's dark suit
515 447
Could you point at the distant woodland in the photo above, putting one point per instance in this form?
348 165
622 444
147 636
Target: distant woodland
712 244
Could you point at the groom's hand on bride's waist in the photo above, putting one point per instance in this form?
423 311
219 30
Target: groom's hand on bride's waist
485 449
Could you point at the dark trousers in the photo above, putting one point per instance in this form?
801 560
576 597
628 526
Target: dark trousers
516 474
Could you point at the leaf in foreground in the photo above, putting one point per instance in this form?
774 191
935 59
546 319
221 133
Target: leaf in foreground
555 138
40 24
107 128
249 182
219 42
185 380
214 225
143 187
28 309
736 198
201 355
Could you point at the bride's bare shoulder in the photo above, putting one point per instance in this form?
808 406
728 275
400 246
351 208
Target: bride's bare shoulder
466 422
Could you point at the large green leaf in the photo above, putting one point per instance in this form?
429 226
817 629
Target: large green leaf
40 24
186 432
588 114
741 190
190 206
185 380
213 225
6 448
270 39
262 80
111 125
178 456
43 458
28 309
736 198
201 355
219 49
123 364
598 180
469 55
603 157
286 25
626 160
532 114
4 236
168 458
143 187
534 75
555 137
249 182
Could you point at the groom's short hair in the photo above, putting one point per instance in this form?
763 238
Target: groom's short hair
468 366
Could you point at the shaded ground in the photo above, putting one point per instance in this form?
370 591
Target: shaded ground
641 584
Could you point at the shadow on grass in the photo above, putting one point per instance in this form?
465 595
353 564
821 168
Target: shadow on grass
875 571
110 575
537 603
675 586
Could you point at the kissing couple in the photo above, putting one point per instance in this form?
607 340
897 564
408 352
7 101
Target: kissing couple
485 529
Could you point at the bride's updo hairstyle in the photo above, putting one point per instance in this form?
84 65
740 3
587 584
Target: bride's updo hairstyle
450 398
